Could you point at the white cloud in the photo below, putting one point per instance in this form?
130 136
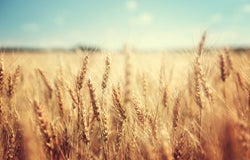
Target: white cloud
142 19
246 8
131 5
216 18
59 20
146 18
31 27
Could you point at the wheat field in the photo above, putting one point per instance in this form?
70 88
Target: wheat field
169 106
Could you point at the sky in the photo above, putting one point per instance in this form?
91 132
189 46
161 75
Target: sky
109 24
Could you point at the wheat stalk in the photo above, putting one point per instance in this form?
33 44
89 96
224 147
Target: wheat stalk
82 74
48 143
106 73
94 101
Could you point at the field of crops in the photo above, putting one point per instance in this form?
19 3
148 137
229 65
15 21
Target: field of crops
66 106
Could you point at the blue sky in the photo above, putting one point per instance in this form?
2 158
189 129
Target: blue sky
145 24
